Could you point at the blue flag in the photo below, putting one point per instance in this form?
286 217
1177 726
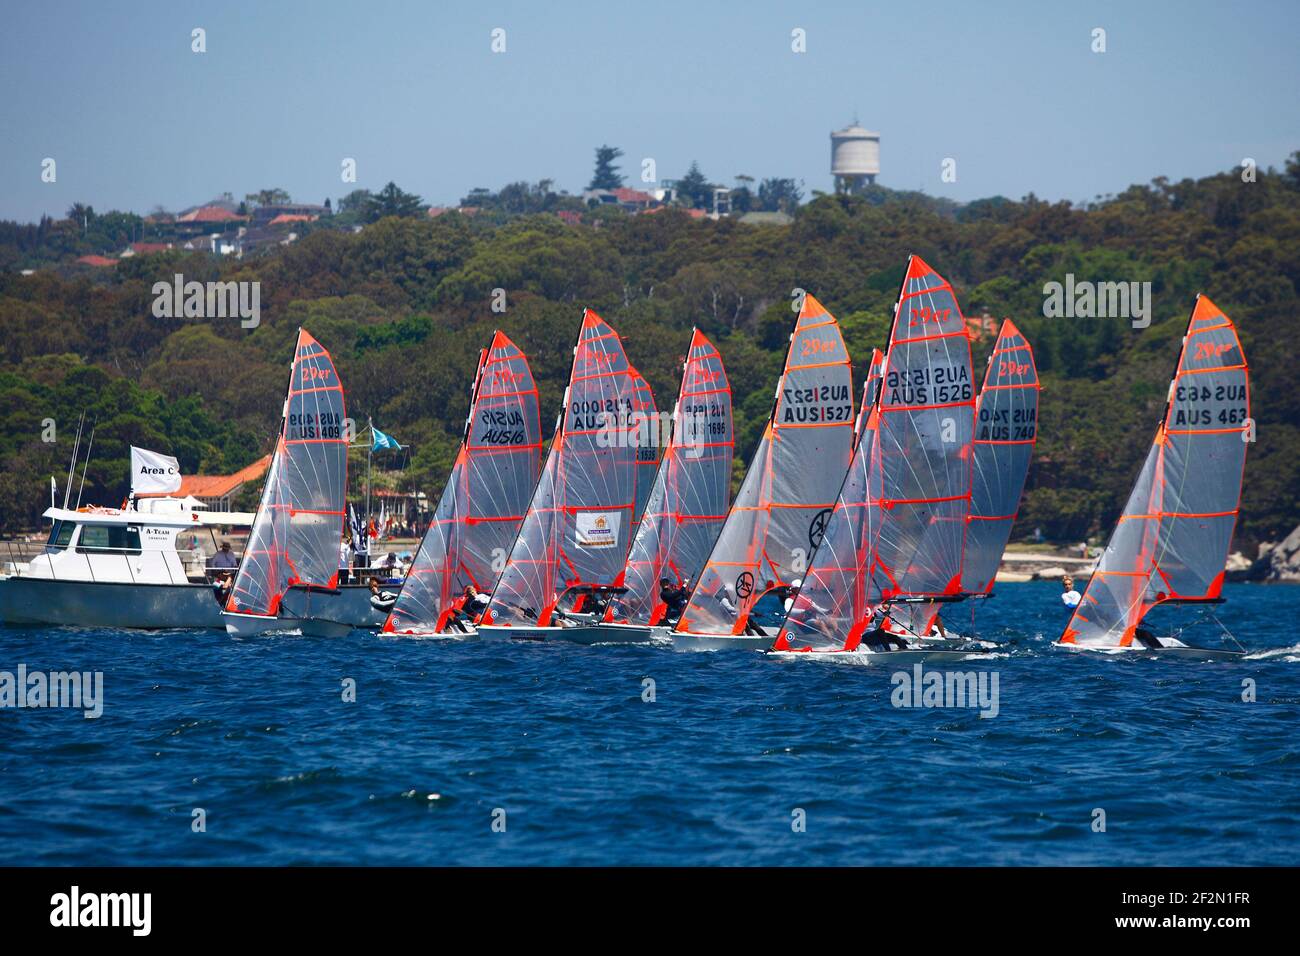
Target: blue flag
381 441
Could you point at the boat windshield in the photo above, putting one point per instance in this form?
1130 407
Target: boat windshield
109 539
60 536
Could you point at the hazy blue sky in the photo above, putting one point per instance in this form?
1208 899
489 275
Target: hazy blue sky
285 91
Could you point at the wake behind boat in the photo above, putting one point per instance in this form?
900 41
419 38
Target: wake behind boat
1172 540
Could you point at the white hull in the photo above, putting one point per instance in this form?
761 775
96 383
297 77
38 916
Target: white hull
900 656
1173 651
720 642
582 634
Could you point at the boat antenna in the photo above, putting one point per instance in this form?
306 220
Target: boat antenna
72 465
89 447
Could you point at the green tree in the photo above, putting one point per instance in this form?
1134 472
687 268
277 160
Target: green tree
694 189
392 201
779 195
606 175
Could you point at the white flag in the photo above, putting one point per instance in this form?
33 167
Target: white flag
152 472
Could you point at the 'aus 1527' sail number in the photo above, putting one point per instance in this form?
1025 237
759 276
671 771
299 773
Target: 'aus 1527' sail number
809 406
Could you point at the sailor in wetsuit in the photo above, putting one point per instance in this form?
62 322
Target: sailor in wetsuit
880 638
381 600
1146 638
469 608
675 598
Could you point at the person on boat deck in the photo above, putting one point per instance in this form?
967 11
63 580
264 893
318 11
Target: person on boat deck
1146 638
381 600
937 629
361 554
389 567
675 597
1069 596
345 557
224 559
880 637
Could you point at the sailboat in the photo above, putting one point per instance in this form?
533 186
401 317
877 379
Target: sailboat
567 560
688 503
1172 541
1006 429
779 516
898 529
484 500
288 578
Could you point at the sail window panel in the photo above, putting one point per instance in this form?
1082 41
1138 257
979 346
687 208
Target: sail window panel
920 452
999 478
1189 558
918 549
983 537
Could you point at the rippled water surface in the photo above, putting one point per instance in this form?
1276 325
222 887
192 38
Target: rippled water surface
443 735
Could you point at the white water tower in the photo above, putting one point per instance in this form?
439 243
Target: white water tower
855 158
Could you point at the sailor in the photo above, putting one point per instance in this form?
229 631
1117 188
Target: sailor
937 629
675 597
1146 638
1069 596
791 593
881 638
224 559
468 608
221 587
381 600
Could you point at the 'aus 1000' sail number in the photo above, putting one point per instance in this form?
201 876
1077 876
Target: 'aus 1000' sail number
813 406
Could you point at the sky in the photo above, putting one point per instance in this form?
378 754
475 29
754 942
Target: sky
413 92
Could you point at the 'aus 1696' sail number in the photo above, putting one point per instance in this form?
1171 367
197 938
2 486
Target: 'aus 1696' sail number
811 406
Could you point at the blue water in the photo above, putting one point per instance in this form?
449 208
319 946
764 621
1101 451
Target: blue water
558 737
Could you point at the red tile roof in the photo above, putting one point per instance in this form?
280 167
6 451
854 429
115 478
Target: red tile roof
218 486
291 217
209 214
97 261
632 195
146 248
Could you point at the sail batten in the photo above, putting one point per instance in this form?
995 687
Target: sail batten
487 492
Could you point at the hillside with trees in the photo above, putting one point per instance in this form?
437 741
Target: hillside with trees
405 303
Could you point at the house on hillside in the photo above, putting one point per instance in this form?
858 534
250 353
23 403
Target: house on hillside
219 492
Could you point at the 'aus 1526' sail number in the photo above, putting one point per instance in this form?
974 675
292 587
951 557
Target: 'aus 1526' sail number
926 385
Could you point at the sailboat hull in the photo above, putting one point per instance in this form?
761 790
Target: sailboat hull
1183 652
897 657
582 634
720 642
